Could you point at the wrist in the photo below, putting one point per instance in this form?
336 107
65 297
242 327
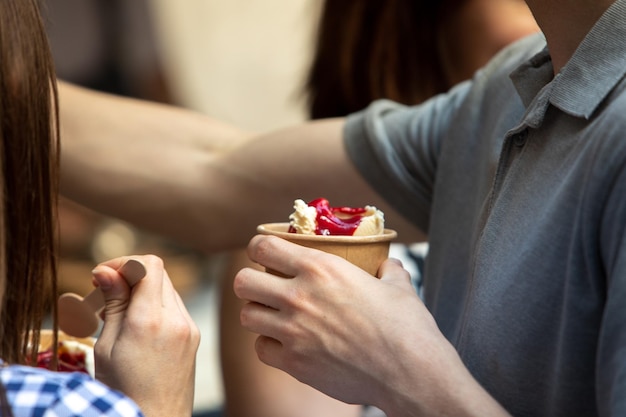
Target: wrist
437 383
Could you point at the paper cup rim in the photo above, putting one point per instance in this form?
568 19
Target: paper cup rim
280 230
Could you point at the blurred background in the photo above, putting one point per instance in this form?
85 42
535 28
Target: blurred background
240 61
246 62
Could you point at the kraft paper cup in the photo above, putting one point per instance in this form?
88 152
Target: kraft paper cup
366 252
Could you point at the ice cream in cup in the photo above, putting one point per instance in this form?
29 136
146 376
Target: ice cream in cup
355 234
74 354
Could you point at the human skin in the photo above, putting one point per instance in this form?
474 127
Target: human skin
146 180
359 349
305 319
171 159
467 40
565 34
251 387
149 164
148 344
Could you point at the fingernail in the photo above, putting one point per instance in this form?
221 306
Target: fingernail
104 282
396 260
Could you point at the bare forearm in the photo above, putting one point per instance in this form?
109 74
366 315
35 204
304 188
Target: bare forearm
193 179
136 160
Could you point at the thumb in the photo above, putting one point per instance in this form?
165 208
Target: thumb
116 294
392 272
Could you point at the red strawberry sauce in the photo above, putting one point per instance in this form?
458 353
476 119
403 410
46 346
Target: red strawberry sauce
335 220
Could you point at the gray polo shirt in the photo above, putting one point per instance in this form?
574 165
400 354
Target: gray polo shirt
520 179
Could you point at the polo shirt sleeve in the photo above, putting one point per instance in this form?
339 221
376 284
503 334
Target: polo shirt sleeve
396 149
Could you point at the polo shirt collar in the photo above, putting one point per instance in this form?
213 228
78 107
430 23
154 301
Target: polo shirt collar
584 82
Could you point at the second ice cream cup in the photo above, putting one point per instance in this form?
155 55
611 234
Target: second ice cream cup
46 339
366 252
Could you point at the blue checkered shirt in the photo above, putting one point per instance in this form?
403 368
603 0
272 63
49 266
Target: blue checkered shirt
34 392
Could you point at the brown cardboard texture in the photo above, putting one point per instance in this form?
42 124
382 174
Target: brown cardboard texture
366 252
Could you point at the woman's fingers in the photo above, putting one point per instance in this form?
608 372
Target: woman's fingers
149 342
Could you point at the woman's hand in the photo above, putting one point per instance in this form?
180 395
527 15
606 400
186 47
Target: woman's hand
147 348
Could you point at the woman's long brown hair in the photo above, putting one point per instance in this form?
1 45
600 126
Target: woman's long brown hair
371 49
28 179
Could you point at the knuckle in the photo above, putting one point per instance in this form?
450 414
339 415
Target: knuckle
261 347
240 282
153 260
100 350
295 297
260 246
183 331
245 316
196 335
